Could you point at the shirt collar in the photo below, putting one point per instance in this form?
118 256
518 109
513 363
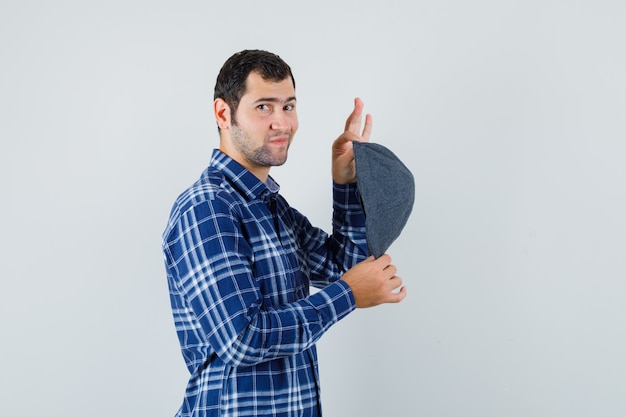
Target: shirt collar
243 180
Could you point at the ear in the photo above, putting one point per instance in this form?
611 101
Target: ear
222 113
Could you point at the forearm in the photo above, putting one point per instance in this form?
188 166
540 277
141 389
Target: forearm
289 329
348 225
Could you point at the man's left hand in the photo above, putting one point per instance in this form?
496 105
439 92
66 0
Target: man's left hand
344 171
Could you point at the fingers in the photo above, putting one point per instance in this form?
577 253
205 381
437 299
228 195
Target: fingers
353 123
384 259
392 286
396 297
367 130
392 291
391 271
344 142
344 170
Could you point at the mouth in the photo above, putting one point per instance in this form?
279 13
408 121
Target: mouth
283 141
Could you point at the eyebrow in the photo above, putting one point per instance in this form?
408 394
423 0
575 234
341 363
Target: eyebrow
274 100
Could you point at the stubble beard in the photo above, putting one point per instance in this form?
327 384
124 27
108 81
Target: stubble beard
261 156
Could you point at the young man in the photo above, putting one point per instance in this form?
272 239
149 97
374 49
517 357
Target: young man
240 260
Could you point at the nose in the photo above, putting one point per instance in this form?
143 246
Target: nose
280 120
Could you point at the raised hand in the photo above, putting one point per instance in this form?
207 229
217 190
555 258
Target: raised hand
343 156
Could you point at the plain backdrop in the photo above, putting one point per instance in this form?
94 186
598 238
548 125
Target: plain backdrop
510 114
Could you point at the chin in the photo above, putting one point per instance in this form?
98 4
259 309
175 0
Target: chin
280 161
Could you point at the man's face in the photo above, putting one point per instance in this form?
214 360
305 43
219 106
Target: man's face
264 124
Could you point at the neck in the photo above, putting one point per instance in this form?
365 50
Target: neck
259 171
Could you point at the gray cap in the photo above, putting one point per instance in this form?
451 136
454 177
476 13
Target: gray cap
387 190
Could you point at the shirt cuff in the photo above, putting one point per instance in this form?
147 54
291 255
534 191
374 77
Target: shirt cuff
336 299
346 196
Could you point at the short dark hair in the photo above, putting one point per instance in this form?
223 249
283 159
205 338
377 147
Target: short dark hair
231 80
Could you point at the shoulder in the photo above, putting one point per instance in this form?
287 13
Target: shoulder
211 191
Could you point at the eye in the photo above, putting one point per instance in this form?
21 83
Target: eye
289 107
263 107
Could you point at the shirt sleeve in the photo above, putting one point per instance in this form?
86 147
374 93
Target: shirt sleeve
331 256
209 263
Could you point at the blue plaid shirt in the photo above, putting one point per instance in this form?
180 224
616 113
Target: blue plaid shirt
239 265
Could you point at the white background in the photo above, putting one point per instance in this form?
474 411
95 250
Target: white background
511 115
